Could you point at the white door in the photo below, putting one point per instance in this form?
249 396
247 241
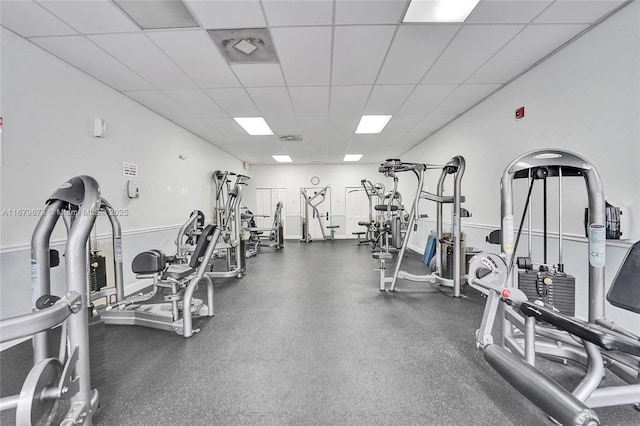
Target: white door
266 201
323 206
356 209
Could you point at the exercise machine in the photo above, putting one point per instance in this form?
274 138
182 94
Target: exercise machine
170 304
312 201
375 195
232 246
66 375
454 252
267 237
528 328
188 236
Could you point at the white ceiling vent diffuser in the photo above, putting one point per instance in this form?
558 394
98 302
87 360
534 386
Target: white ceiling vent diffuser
245 46
290 138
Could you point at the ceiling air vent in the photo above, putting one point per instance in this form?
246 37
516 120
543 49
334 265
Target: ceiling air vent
245 46
290 138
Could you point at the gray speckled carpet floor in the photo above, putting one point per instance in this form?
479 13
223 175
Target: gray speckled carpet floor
306 338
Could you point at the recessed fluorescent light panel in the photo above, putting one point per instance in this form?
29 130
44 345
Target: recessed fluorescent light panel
282 158
153 15
255 126
372 123
352 157
439 10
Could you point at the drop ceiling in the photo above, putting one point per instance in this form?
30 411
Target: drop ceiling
337 60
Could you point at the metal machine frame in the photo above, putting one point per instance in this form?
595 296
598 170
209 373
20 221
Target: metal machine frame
229 219
312 201
273 237
521 338
176 313
68 375
456 167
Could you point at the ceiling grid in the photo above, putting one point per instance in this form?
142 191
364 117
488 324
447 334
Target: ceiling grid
337 60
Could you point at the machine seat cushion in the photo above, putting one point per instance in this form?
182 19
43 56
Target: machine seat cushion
178 272
593 333
382 255
383 208
362 223
149 262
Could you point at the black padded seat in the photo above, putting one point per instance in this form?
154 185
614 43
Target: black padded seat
361 223
593 333
384 208
149 262
178 272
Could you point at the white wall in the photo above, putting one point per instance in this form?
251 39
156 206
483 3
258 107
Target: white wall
293 177
584 99
48 112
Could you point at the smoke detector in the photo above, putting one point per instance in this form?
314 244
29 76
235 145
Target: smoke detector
245 46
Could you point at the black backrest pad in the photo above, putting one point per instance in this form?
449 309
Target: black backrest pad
201 248
625 290
149 262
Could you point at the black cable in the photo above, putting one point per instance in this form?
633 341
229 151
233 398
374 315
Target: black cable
524 213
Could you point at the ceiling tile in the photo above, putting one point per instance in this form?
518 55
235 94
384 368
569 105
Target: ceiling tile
317 152
431 123
259 75
235 102
299 12
296 150
199 128
227 127
343 125
282 124
91 17
402 123
86 56
160 103
536 40
387 99
348 100
414 49
196 54
425 97
576 11
138 53
305 54
313 124
30 19
197 102
310 101
369 12
227 14
472 47
272 100
342 138
507 12
358 52
464 97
